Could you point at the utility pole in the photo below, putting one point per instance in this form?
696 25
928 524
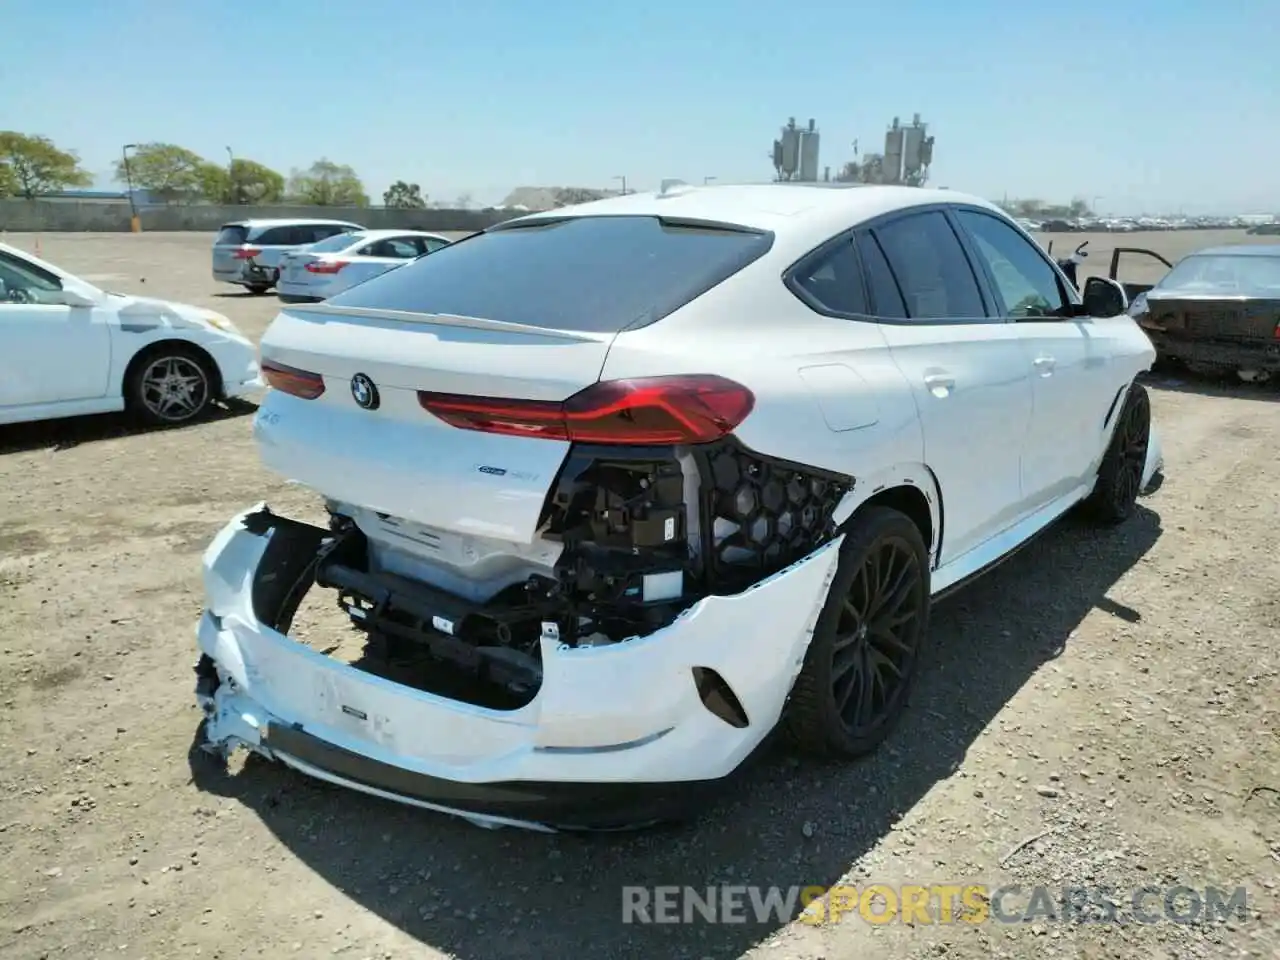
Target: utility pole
231 178
135 222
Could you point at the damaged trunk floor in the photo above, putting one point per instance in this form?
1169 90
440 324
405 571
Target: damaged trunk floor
326 628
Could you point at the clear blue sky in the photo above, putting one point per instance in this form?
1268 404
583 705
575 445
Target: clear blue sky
1148 105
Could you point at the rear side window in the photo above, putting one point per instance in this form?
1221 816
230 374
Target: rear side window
233 234
278 237
587 274
832 280
882 288
931 268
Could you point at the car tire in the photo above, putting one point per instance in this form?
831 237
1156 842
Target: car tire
861 635
1115 492
170 385
258 289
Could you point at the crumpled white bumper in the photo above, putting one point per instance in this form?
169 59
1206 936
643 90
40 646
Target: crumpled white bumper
237 361
624 713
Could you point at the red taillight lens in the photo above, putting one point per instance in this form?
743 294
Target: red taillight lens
1276 332
247 253
655 410
297 383
326 266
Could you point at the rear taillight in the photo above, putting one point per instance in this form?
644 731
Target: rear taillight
326 266
297 383
247 253
656 410
1275 334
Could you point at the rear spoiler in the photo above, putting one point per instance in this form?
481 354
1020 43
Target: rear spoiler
448 320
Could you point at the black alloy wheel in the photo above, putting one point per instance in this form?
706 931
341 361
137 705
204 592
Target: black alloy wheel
875 643
870 637
1119 482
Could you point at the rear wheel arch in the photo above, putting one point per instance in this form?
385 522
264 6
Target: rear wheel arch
913 491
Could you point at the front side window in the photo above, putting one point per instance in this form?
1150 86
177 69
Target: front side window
584 274
1025 280
25 283
931 268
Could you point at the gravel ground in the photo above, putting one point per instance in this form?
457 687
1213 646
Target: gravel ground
1102 711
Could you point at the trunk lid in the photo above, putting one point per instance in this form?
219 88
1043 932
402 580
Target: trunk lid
390 455
519 312
293 266
1211 317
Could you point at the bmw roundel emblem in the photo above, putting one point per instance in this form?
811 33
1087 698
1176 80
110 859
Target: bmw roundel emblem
364 392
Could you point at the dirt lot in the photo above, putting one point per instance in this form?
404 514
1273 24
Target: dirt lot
1103 711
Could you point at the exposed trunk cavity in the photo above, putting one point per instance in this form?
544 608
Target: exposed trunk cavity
628 539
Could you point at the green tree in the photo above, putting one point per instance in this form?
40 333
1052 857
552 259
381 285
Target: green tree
167 171
328 184
405 196
32 165
247 181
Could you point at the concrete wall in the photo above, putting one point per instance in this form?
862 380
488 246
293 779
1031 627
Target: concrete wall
105 216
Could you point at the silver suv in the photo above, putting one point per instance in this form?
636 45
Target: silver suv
248 252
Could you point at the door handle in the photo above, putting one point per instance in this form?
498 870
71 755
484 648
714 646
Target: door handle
1045 365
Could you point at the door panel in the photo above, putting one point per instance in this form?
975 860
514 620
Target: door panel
1066 361
53 354
967 372
974 398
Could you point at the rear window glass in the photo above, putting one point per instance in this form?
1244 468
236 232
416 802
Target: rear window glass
335 243
232 234
1229 274
588 274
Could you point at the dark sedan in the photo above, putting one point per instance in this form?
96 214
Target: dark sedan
1218 310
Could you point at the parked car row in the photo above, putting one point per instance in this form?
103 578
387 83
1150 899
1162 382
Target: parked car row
311 260
1136 224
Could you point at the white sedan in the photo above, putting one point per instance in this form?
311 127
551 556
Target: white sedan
618 489
323 269
68 348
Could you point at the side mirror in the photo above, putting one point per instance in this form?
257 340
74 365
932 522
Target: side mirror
73 298
1104 297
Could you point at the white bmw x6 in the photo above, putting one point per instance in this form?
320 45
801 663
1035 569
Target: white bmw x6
618 489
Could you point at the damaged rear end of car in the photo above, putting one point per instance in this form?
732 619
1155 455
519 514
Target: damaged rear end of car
574 596
1219 310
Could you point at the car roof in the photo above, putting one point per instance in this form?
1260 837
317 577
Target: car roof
375 234
284 221
800 215
1240 250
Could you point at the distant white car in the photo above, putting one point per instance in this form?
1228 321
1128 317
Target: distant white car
323 269
68 348
618 489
